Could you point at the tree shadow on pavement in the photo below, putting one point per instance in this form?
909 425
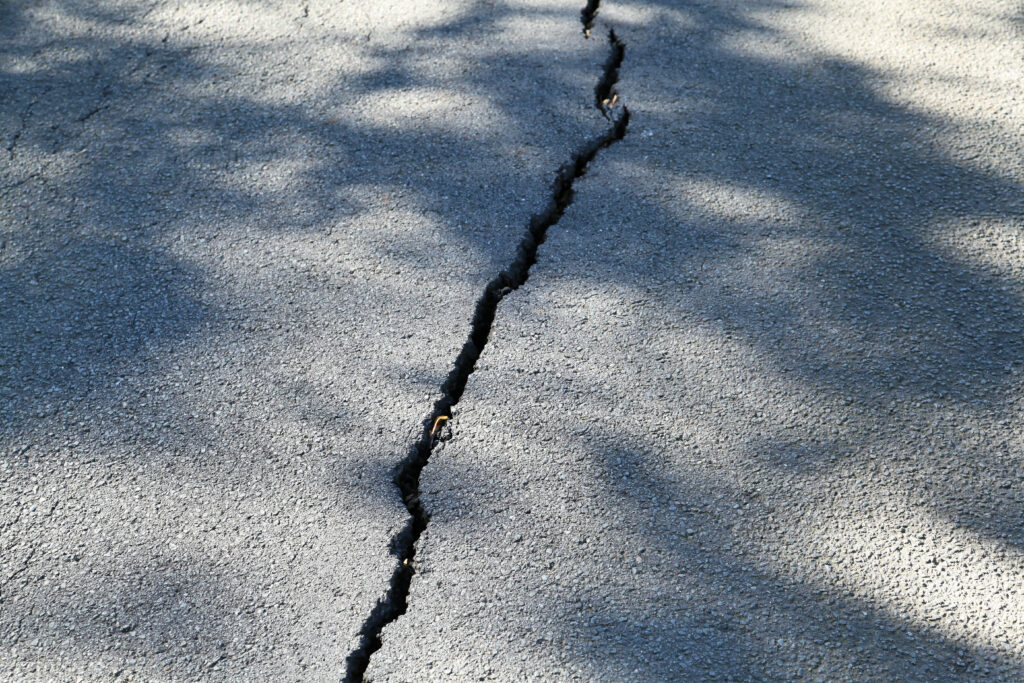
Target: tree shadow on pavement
178 226
877 302
843 267
710 600
161 150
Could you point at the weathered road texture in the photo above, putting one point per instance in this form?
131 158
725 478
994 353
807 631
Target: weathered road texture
240 247
757 413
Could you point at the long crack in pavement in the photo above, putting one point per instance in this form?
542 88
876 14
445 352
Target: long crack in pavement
394 603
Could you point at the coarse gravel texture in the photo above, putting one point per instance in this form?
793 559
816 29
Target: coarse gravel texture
240 245
757 413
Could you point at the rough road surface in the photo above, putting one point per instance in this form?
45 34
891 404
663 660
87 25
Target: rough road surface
756 413
241 244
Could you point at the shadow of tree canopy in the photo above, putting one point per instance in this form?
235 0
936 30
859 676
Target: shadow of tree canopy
163 197
843 274
120 148
123 149
875 187
728 607
887 312
873 302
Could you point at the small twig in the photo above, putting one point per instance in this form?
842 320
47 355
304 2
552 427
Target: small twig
437 423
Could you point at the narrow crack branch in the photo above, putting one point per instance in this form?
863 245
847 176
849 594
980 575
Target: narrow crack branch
14 142
89 114
20 570
22 125
407 473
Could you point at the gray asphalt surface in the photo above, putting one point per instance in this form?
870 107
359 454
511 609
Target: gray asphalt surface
757 412
240 247
755 415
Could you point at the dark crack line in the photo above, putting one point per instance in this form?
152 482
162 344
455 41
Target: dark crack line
407 473
605 96
92 112
14 142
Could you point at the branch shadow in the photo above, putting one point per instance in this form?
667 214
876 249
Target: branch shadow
905 321
131 150
727 616
873 302
871 305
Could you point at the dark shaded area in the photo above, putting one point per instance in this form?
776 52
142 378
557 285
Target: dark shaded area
909 323
720 633
160 130
95 288
121 151
80 310
408 472
893 321
136 611
928 325
887 321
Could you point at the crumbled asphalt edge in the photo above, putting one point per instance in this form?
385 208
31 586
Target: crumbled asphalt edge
407 473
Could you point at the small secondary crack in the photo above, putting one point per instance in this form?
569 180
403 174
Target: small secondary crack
22 125
394 603
92 112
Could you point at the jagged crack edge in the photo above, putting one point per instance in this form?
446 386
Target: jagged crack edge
407 473
605 88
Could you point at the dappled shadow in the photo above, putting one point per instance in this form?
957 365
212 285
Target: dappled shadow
130 159
848 271
81 310
200 248
143 617
878 309
734 607
630 565
811 224
166 151
798 325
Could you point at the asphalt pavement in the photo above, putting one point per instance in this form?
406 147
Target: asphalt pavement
240 246
755 411
756 414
